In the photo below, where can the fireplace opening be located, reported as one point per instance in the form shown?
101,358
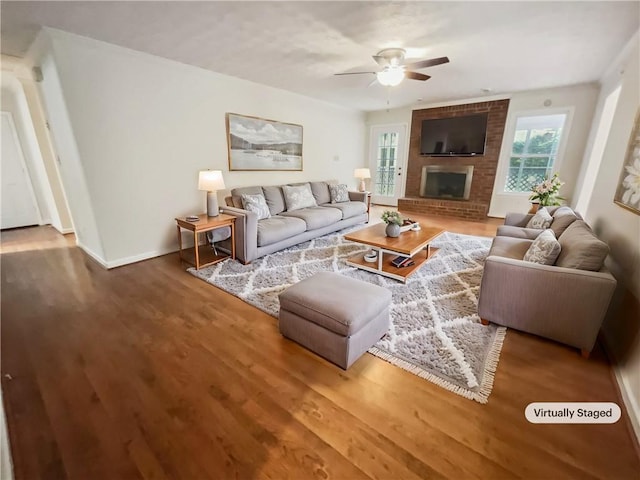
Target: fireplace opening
446,182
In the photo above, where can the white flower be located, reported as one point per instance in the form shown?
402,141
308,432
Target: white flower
631,183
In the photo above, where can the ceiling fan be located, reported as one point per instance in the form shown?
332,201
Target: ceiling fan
394,70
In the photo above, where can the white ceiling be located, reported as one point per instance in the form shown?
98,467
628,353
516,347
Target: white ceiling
298,46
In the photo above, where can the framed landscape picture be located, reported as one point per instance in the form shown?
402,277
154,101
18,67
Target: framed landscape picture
628,191
260,144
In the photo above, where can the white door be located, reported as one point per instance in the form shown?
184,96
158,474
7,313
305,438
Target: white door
19,207
386,157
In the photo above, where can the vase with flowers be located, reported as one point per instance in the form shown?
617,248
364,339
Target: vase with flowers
393,221
546,192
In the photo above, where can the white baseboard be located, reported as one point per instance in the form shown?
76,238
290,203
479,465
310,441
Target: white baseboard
64,231
93,255
633,409
138,258
120,262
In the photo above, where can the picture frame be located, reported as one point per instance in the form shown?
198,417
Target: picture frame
260,144
628,191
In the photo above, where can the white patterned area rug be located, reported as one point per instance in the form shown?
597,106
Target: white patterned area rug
435,329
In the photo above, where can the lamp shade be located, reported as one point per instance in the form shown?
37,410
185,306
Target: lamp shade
210,180
390,76
362,173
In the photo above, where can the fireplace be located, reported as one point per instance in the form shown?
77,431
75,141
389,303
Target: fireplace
446,182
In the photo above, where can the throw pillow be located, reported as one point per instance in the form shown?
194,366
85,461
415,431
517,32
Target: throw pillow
581,248
562,218
544,249
339,193
320,192
256,204
541,220
298,196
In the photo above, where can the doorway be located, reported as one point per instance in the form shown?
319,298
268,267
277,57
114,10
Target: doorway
19,206
386,161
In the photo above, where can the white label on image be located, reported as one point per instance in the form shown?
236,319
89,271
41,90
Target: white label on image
572,412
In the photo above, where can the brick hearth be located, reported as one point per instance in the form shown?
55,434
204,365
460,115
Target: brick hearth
484,166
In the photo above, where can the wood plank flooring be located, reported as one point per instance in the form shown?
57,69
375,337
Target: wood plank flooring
145,372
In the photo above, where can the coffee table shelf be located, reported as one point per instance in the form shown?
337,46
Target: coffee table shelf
409,243
389,270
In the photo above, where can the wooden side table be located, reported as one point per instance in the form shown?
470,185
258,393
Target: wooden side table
202,225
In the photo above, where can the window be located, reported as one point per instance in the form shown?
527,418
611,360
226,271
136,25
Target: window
386,164
533,150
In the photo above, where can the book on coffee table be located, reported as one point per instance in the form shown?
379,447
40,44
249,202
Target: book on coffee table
402,261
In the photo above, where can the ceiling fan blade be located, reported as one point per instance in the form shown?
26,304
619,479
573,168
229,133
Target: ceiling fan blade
354,73
416,76
432,62
373,82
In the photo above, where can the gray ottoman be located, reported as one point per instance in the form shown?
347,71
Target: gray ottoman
337,317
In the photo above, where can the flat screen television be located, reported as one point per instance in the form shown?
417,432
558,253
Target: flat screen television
455,136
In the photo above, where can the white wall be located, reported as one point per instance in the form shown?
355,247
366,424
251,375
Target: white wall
144,126
388,117
69,165
581,102
620,228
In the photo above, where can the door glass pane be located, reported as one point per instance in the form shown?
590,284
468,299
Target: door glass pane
386,164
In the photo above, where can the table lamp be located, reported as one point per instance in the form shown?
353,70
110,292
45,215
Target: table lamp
211,181
362,173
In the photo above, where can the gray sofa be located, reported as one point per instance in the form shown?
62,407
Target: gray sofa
256,238
566,301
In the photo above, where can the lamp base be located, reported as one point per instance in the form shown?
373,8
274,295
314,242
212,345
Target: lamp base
363,186
212,204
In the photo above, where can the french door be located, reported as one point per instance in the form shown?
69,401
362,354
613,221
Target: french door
386,161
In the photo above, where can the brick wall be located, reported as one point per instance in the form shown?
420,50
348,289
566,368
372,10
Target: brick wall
484,166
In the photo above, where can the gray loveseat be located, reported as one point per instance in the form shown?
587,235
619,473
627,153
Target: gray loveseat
566,301
256,238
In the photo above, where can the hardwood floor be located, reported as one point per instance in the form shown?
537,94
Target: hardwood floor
145,371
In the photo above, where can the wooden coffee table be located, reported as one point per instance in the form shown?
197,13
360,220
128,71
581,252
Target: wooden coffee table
408,243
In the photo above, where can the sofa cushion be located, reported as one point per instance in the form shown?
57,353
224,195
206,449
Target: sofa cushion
349,209
256,204
542,219
544,249
581,248
275,199
320,191
297,197
518,232
339,193
509,247
236,194
562,218
276,228
316,217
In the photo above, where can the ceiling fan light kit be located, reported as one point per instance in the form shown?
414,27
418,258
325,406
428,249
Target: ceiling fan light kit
391,76
395,70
